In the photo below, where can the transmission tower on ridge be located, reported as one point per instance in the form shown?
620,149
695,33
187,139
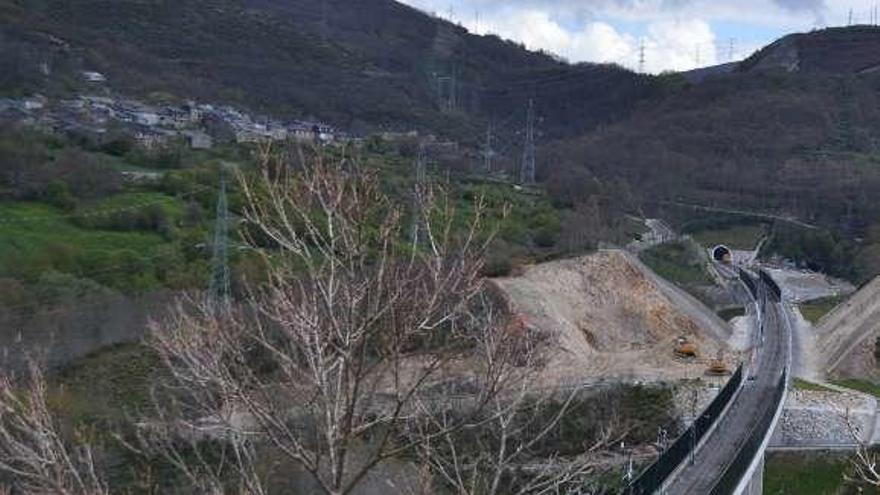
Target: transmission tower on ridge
642,56
218,291
527,172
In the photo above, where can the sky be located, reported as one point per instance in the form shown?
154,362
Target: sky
672,34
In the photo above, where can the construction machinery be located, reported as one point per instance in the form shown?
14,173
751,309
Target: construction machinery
717,366
685,349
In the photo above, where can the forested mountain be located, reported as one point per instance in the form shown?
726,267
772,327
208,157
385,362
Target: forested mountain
854,49
797,139
790,131
363,65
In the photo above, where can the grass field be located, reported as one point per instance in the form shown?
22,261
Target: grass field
860,385
173,206
801,384
734,237
728,314
36,238
678,262
28,229
108,384
813,311
804,474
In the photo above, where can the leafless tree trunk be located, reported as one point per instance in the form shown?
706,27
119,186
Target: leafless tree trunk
34,453
339,361
865,461
356,321
497,449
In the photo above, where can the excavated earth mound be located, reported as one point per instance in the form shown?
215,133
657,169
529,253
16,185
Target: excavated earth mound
848,335
609,317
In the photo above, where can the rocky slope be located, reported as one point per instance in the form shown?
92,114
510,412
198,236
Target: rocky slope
847,335
611,319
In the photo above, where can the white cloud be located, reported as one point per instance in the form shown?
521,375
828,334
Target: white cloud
677,34
600,42
669,44
679,45
534,28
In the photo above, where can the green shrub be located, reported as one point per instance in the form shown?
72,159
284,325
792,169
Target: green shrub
498,265
546,237
58,195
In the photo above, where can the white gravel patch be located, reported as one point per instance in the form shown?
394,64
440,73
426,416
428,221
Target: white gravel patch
743,330
814,418
803,285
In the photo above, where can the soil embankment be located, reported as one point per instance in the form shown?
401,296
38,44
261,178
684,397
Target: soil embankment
612,318
847,336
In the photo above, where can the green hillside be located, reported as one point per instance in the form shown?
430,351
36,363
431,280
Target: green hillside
366,65
796,145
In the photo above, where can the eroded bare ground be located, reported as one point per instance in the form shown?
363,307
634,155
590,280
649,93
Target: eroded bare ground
803,285
826,417
847,336
611,318
842,343
810,350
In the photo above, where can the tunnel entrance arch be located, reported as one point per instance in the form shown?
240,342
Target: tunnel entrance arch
722,253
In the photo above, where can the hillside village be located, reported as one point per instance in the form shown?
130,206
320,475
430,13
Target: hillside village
199,125
383,298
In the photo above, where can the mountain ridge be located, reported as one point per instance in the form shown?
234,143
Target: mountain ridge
364,66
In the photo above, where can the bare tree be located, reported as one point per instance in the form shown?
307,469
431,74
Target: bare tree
35,455
360,316
865,462
340,360
503,445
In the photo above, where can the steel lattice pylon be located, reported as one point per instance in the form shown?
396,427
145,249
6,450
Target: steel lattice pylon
219,289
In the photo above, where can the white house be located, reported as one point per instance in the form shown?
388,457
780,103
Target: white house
147,118
94,77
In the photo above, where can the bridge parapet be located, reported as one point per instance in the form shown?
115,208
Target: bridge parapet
653,478
736,474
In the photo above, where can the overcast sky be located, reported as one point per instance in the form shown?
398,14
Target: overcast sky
676,34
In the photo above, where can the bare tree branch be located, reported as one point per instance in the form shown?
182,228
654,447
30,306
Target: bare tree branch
865,461
34,453
334,352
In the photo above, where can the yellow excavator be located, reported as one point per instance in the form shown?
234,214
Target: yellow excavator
685,349
717,366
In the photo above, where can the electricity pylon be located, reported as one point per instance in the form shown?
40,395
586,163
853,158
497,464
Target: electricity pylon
418,191
527,171
219,288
